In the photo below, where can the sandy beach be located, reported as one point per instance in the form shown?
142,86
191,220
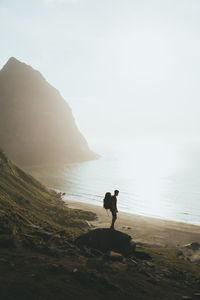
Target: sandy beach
143,229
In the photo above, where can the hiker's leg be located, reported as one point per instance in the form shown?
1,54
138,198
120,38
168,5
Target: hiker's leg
113,221
114,218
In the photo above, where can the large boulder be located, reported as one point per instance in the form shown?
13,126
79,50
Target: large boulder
106,240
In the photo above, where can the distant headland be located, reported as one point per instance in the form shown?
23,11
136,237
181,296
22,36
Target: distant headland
36,124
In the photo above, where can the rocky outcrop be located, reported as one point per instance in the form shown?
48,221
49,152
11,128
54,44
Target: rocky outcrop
106,240
36,124
191,252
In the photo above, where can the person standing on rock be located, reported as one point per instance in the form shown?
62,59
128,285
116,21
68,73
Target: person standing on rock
113,208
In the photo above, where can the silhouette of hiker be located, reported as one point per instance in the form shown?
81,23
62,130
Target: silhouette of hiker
113,208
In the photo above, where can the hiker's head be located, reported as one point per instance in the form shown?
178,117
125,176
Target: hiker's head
116,192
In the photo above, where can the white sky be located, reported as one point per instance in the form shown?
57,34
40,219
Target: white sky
127,67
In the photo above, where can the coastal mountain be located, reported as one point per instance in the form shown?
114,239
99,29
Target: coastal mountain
36,124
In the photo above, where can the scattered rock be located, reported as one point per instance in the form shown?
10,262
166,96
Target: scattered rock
142,255
75,270
180,253
194,246
191,252
150,264
114,256
126,227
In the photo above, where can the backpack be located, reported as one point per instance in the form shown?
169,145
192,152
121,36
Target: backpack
107,201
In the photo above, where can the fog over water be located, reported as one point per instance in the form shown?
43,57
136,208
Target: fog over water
155,178
130,71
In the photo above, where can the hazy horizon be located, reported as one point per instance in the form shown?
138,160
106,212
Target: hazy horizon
127,68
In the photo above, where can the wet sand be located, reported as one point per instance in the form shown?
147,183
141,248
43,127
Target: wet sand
143,229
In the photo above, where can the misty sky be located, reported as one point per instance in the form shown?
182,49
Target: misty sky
128,67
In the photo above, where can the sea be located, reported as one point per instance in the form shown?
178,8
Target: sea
155,177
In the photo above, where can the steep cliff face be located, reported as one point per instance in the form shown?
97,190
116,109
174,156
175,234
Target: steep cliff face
36,124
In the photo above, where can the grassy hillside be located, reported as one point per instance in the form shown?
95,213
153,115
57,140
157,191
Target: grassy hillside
39,259
30,213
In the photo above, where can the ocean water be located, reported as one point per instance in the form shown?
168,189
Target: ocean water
155,178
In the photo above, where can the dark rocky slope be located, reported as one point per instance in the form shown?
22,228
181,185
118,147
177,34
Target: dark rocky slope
36,124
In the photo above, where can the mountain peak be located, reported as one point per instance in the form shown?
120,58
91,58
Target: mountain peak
14,64
12,61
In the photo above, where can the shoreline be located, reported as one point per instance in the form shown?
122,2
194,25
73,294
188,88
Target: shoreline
142,229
